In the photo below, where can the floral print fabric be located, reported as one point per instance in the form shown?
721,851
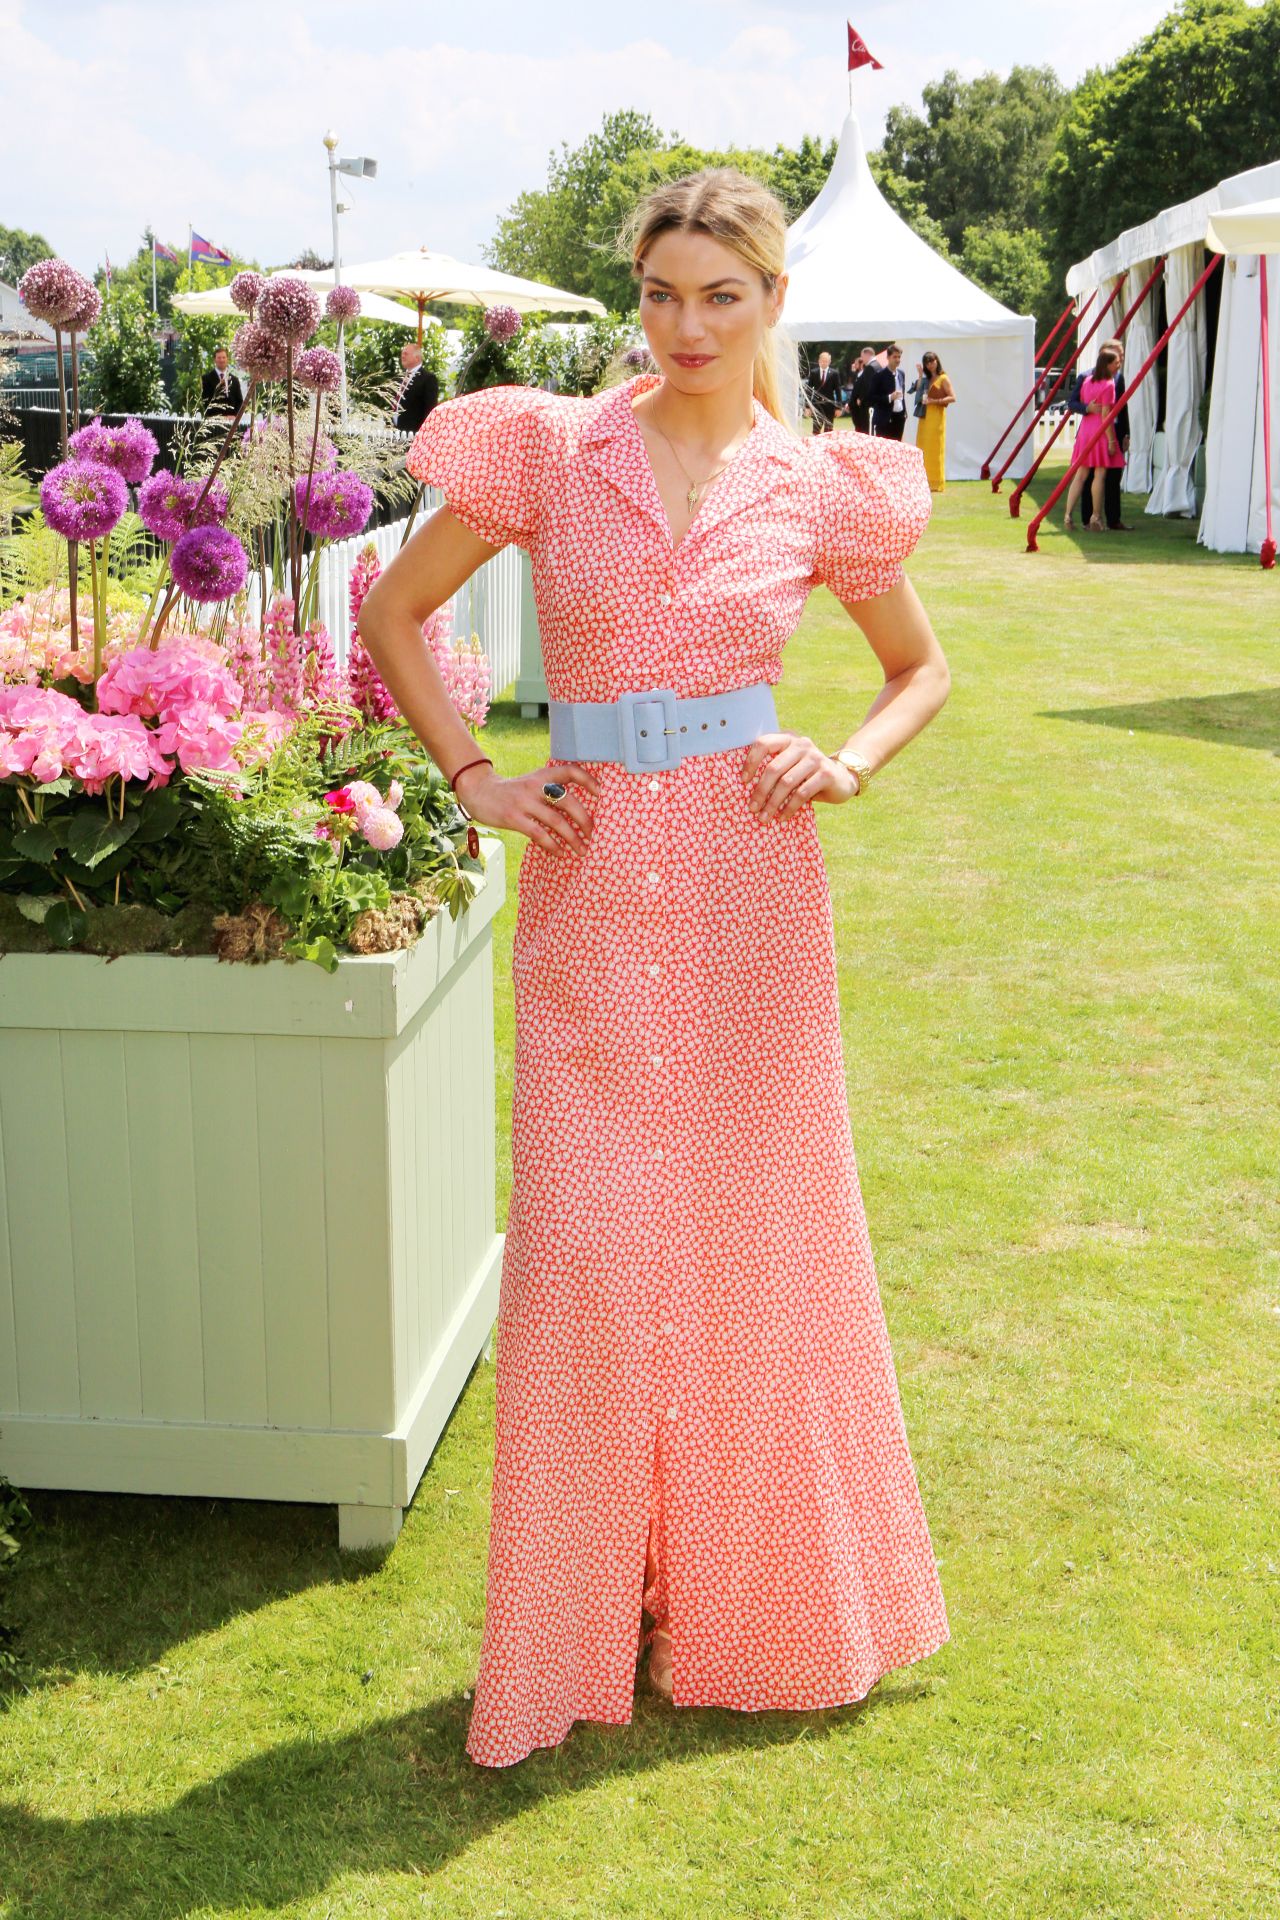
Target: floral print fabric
691,1342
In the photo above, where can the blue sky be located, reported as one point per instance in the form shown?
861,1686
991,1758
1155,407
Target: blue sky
113,116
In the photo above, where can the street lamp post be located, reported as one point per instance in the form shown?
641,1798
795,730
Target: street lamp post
362,168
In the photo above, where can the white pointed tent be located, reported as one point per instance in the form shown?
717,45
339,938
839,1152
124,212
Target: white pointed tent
859,273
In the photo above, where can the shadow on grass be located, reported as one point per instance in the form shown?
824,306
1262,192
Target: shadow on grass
1151,539
1227,719
109,1582
397,1797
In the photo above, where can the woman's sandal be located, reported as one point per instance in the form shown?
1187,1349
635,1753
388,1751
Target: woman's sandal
1068,524
658,1641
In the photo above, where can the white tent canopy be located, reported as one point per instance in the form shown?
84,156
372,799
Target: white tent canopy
1239,211
857,272
217,301
423,275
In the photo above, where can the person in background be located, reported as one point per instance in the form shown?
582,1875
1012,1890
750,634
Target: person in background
1095,450
220,389
419,390
862,372
934,394
1112,476
824,394
889,396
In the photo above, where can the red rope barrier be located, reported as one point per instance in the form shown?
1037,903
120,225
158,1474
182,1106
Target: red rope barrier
1042,355
1268,554
1159,347
1050,396
1015,498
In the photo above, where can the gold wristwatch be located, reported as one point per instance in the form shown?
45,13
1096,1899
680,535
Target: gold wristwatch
858,766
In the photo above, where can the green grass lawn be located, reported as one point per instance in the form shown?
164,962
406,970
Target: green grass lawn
1059,934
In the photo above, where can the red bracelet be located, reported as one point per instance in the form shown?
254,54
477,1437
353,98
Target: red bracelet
482,761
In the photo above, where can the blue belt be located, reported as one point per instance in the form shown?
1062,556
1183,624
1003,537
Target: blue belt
657,728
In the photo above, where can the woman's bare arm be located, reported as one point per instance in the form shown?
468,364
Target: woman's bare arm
917,681
433,565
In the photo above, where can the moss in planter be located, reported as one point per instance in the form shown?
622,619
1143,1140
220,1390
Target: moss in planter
112,931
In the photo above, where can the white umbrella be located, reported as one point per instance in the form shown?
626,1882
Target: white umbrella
1254,229
424,275
216,301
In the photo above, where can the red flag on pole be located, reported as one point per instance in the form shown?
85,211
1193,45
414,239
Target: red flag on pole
860,54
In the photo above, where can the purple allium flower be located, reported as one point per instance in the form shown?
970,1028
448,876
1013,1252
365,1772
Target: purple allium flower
333,506
209,564
164,504
501,324
87,313
53,291
342,304
637,357
130,449
212,510
258,353
318,368
289,309
82,499
244,290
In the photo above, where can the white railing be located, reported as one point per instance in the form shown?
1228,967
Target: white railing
18,399
487,604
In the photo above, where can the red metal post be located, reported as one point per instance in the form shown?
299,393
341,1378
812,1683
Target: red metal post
1268,554
1042,355
1159,347
1052,393
1015,498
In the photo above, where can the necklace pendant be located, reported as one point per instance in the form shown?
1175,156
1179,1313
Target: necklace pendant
693,497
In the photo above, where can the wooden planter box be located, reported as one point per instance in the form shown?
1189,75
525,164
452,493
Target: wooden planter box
247,1241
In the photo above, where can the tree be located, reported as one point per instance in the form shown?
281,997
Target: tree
1010,266
906,197
1192,102
126,363
544,235
20,250
626,184
798,174
137,273
978,152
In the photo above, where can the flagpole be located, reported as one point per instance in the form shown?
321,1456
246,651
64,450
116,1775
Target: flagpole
153,275
190,231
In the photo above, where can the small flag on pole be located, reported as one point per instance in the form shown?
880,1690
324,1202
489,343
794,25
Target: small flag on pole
164,253
860,54
202,249
107,269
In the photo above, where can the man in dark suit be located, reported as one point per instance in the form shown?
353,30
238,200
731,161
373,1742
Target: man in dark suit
1112,476
824,394
865,369
889,397
220,389
419,391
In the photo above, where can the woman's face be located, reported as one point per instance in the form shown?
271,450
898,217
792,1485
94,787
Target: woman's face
930,363
704,311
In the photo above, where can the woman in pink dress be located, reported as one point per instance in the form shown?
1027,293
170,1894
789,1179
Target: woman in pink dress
1095,448
700,1444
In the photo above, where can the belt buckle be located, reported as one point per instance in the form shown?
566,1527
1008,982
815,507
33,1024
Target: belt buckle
650,742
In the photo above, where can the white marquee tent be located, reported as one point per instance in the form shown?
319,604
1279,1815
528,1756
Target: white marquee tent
859,273
1234,508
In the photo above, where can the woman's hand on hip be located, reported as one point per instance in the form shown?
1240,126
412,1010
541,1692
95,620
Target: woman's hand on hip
793,772
519,804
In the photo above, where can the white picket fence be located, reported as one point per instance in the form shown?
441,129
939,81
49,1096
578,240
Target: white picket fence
488,604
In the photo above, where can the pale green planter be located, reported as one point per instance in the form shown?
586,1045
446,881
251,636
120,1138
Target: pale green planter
249,1244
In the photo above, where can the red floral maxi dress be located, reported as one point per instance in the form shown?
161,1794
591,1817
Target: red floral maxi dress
690,1333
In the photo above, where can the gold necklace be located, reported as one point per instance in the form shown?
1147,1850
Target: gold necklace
695,486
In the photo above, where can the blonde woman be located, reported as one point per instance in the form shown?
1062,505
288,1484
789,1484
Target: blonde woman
700,1448
934,394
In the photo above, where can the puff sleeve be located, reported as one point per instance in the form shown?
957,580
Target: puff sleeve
487,453
874,504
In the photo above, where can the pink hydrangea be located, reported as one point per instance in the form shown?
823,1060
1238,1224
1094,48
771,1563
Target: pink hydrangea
166,681
263,732
200,736
111,744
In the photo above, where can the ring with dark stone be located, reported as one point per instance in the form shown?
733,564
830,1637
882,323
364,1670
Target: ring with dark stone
554,791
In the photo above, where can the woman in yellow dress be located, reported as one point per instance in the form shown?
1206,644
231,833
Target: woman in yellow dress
934,394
